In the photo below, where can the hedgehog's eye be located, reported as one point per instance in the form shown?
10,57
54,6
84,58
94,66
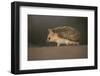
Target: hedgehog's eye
49,38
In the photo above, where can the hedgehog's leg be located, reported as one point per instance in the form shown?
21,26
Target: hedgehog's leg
70,43
67,43
58,44
77,43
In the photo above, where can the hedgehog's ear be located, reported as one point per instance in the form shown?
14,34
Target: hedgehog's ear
50,31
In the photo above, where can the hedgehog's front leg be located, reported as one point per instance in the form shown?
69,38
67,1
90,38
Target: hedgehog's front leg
58,44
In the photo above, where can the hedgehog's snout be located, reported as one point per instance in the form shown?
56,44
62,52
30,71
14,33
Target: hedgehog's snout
48,39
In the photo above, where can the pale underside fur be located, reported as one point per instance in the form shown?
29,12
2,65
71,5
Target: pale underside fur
65,41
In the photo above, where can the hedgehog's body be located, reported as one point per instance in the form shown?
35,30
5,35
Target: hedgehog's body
65,41
64,35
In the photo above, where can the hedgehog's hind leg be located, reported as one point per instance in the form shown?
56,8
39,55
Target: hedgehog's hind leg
75,43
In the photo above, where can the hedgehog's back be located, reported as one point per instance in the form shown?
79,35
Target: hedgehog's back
67,32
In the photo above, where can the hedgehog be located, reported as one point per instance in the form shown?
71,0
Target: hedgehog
63,35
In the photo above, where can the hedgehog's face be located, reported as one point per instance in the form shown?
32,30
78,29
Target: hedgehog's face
52,37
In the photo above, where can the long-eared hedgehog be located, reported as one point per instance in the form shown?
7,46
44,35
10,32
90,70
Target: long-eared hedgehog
64,35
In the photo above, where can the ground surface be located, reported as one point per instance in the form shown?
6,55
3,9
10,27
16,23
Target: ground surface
63,52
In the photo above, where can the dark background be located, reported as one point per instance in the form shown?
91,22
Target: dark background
38,28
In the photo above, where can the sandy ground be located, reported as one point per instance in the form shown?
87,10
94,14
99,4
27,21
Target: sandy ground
63,52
